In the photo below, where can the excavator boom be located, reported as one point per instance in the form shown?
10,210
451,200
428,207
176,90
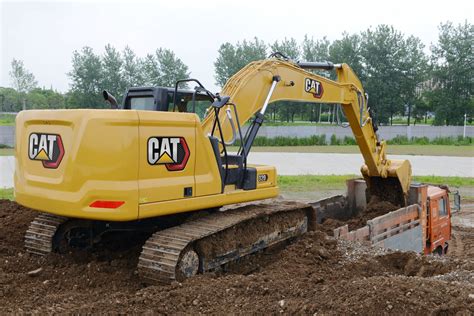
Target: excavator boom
266,81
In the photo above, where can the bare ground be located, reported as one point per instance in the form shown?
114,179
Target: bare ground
315,274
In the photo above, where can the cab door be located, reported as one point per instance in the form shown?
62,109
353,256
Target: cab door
439,222
444,218
167,156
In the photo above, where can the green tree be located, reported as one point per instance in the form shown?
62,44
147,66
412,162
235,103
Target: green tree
171,68
348,50
10,100
315,50
288,47
86,80
413,65
45,99
163,69
36,100
453,74
132,72
231,58
112,72
381,51
421,109
150,70
23,80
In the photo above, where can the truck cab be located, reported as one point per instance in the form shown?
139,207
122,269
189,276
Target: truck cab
438,228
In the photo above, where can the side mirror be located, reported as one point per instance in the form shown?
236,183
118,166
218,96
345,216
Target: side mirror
457,201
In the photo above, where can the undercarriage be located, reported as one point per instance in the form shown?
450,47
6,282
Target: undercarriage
180,246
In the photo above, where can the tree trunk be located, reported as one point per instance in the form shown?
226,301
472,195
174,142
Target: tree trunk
24,104
319,118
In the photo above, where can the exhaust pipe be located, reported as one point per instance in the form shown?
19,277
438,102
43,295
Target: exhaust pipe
110,99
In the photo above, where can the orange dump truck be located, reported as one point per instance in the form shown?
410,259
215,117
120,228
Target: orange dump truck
424,226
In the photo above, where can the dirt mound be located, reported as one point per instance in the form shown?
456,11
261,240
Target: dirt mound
374,208
462,243
315,274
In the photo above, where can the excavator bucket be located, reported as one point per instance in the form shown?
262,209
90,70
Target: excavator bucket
392,188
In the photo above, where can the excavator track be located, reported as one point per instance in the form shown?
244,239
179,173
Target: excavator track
209,242
40,233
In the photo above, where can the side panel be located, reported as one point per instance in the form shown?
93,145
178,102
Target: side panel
409,240
99,162
266,176
162,134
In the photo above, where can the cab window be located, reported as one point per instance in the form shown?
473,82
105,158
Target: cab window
185,103
442,207
142,103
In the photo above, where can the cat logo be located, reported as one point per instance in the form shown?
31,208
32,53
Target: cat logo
47,148
173,152
314,87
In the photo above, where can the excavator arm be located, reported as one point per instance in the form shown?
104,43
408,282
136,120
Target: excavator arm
263,82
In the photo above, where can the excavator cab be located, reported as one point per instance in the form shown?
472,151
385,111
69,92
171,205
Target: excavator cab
163,99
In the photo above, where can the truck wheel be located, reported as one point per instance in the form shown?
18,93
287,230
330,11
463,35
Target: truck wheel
438,251
446,249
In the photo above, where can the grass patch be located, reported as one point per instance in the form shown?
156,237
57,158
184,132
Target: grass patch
449,181
6,194
7,152
312,183
425,150
7,119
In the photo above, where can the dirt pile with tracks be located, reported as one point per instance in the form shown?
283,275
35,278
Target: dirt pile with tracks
315,274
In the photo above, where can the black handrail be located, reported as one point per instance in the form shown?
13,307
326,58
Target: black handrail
201,88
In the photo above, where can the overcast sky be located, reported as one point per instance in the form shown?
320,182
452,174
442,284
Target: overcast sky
45,33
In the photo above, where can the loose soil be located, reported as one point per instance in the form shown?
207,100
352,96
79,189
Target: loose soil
374,208
315,274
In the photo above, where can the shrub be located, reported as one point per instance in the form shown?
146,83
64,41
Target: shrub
334,140
319,140
348,141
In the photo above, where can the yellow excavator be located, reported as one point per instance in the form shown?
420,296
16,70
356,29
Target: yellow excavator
153,166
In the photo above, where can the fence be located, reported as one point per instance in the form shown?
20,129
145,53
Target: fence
7,133
386,132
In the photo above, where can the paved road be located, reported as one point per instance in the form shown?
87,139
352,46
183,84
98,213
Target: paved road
342,164
321,164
